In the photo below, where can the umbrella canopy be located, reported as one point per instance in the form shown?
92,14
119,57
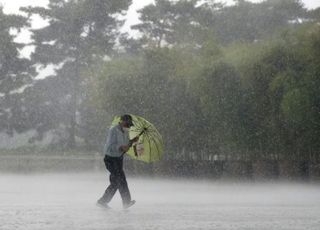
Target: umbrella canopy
149,147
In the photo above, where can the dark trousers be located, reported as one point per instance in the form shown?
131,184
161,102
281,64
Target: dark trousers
117,180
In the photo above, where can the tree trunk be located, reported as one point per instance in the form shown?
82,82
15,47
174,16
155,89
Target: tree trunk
73,110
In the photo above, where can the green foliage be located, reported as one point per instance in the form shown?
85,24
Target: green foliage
167,23
295,105
145,86
240,81
15,72
79,34
247,21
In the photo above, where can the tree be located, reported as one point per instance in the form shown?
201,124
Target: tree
156,22
78,34
218,88
247,21
168,23
146,86
280,110
15,71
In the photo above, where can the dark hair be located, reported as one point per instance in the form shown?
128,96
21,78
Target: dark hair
127,118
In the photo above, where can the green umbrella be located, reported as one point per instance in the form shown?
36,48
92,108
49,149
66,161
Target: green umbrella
149,147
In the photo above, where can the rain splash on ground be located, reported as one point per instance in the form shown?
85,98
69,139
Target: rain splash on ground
67,202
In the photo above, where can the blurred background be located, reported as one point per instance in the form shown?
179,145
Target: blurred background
233,87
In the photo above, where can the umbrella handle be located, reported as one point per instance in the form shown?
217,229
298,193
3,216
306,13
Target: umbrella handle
135,150
142,132
131,142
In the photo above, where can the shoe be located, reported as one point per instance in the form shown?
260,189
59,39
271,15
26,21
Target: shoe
102,204
126,206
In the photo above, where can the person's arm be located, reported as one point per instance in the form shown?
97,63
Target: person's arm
125,148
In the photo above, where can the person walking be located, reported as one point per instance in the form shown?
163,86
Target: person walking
117,144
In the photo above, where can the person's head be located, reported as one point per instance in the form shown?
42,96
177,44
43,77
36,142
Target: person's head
126,121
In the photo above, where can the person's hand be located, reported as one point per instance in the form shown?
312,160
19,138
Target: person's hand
133,141
124,148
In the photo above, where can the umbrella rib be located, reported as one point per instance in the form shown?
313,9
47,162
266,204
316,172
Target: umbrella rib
149,149
136,130
155,133
140,125
151,138
156,137
149,142
140,122
156,144
152,130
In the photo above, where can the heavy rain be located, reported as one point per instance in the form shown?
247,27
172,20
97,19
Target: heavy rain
164,114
